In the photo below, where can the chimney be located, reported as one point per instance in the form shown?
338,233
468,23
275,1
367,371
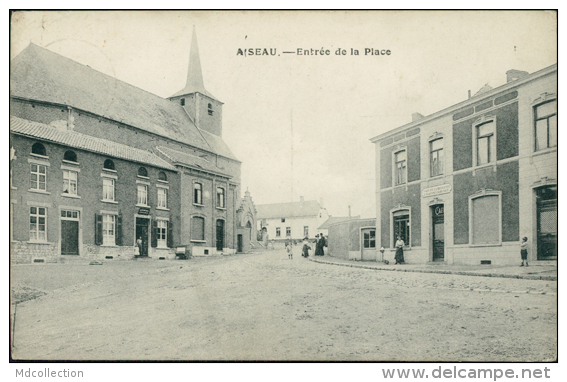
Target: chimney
513,75
301,199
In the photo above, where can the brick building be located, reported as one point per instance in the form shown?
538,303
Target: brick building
169,163
465,184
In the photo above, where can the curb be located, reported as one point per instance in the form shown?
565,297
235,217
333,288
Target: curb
445,272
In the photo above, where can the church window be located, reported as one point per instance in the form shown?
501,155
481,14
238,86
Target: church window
210,109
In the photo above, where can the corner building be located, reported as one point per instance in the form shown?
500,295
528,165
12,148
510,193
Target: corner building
465,184
143,166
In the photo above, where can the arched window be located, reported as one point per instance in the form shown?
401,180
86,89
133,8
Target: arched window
39,149
109,164
70,156
143,172
162,176
485,219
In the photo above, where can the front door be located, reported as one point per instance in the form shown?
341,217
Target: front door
142,230
547,223
220,235
438,234
69,232
368,244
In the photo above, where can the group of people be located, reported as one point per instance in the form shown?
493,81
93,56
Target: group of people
320,245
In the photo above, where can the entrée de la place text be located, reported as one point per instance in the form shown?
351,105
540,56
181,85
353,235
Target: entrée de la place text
314,52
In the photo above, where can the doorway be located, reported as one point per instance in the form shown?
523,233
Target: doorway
547,223
142,230
240,243
438,232
220,235
368,244
69,232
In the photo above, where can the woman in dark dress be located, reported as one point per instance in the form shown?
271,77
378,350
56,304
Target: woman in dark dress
319,251
399,251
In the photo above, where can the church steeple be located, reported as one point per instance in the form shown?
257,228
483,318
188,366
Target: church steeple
204,109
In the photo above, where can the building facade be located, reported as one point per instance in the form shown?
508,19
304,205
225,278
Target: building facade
295,220
178,141
353,239
465,184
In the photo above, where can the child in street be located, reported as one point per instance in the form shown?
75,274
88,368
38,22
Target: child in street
524,251
306,248
289,249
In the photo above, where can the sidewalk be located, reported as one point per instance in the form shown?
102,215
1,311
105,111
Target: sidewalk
533,272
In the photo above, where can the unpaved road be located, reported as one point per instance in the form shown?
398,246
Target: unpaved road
262,306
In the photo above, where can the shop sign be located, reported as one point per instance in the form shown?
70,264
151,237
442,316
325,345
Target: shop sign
437,190
143,211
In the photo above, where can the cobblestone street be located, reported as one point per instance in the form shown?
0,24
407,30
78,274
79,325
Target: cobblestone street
263,306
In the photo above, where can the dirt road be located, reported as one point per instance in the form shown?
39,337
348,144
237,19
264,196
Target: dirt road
266,307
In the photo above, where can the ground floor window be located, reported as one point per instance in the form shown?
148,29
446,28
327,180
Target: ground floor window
306,231
288,231
38,226
401,226
108,230
278,232
162,234
485,219
197,228
370,239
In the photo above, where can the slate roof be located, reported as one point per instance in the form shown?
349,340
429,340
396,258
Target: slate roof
336,219
193,161
288,210
42,75
85,142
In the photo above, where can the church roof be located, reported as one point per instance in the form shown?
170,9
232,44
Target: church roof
85,142
288,210
195,82
41,75
193,161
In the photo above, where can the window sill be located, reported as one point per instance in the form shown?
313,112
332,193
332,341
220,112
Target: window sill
163,181
109,201
544,151
39,156
486,165
486,245
198,205
108,245
38,242
70,196
39,191
70,162
221,208
110,170
440,176
162,208
143,205
198,241
165,247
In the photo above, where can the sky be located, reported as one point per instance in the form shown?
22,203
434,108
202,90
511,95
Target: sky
302,124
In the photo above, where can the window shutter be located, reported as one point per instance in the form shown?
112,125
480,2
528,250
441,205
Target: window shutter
98,229
119,230
169,235
154,233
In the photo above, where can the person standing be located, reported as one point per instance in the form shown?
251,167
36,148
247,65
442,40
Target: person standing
399,251
139,244
319,245
306,248
524,251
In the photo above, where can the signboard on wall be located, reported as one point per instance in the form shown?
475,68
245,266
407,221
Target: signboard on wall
437,190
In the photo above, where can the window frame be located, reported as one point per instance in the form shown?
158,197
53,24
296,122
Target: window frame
370,238
107,239
395,162
221,198
68,171
287,231
481,194
43,154
202,219
142,190
162,233
406,210
305,231
492,151
198,194
278,232
547,117
105,187
440,161
35,238
37,177
162,195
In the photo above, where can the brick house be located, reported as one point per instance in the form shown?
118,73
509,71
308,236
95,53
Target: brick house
179,138
465,184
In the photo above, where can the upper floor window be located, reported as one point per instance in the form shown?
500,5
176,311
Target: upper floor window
162,176
182,101
70,156
545,125
143,172
400,167
485,143
143,194
109,164
108,189
283,220
39,149
38,177
436,157
70,182
162,197
210,107
220,197
197,193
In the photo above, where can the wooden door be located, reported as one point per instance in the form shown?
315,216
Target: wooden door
69,237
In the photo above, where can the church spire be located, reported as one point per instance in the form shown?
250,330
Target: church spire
195,83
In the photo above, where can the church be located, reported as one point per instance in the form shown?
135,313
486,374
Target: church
101,169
